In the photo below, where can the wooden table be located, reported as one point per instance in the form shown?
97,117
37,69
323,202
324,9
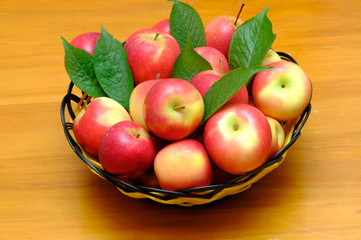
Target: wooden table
46,192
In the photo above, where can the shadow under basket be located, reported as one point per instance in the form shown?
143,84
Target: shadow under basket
71,104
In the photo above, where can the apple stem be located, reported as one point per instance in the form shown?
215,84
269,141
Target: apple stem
179,107
137,136
235,127
221,71
80,103
86,102
156,36
239,13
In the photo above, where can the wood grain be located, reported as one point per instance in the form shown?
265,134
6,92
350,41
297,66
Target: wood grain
46,192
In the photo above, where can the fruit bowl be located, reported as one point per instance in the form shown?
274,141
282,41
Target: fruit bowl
70,106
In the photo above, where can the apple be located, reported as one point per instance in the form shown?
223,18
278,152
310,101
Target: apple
250,101
271,56
219,176
136,101
158,142
86,41
173,109
183,164
126,150
148,179
91,124
217,60
240,97
162,26
205,79
282,92
278,136
238,138
151,54
219,33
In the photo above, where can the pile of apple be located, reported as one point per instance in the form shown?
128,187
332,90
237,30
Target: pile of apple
161,140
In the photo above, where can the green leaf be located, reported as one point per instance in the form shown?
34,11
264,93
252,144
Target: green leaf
251,41
226,87
184,19
112,68
79,66
189,63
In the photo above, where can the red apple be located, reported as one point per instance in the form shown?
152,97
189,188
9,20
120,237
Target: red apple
219,33
205,79
282,92
86,41
219,176
162,26
126,150
250,101
240,97
238,138
136,101
173,109
278,136
217,60
183,164
271,56
148,179
151,54
91,124
158,142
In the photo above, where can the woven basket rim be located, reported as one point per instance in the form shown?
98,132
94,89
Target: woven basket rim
191,196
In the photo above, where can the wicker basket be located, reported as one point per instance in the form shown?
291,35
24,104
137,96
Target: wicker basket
71,104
